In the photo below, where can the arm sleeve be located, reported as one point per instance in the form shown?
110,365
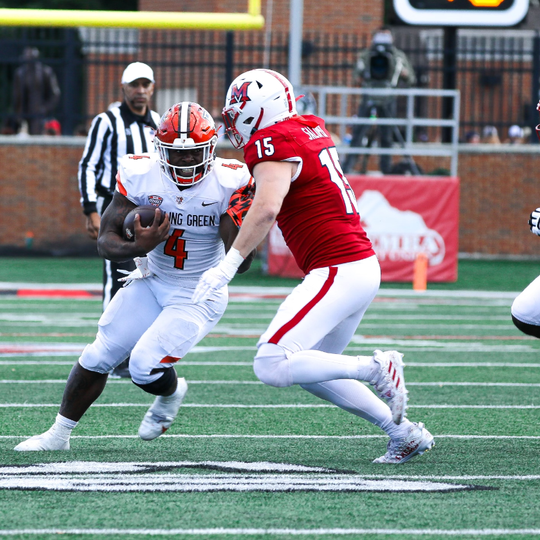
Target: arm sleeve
240,202
97,144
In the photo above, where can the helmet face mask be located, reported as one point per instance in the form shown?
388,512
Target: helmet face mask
256,99
186,143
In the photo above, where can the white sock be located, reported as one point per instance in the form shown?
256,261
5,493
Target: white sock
316,366
368,368
398,432
358,399
63,427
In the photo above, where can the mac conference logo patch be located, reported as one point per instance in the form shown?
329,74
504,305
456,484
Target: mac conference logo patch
155,200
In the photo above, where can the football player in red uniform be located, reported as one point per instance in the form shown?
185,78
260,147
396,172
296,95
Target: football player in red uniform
299,183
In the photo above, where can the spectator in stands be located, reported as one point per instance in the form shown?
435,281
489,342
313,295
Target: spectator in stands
52,127
515,135
11,126
35,92
490,135
472,137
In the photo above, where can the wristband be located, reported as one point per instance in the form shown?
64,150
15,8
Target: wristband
231,262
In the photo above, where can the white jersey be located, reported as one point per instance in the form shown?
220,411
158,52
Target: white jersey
194,244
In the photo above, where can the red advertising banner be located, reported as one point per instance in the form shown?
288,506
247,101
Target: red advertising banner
403,216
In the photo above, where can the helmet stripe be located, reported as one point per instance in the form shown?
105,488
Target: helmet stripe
183,126
285,85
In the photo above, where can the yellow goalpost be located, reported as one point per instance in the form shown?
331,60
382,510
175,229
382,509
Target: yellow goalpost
252,20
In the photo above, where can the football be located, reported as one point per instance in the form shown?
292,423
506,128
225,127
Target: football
147,213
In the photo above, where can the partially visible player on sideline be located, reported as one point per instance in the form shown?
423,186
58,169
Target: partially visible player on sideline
124,129
204,199
526,307
300,183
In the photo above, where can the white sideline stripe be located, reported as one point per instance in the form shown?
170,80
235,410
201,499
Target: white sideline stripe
308,437
258,383
280,406
97,287
276,532
371,317
470,364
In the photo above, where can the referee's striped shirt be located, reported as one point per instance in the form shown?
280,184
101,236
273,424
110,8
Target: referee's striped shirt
113,134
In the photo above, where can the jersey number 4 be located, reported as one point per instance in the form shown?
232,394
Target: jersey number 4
329,158
176,247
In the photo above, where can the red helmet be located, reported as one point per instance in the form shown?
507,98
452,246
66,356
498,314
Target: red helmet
186,127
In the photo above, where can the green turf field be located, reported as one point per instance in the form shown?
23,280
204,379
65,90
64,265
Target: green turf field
244,460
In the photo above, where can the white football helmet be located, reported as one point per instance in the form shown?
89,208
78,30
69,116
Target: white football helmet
255,100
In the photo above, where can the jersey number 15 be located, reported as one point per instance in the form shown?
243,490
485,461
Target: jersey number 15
329,158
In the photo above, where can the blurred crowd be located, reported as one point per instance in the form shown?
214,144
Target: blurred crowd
490,135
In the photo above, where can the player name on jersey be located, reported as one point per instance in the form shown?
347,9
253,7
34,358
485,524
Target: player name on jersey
192,220
314,133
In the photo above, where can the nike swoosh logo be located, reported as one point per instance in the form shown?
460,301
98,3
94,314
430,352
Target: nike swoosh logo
209,203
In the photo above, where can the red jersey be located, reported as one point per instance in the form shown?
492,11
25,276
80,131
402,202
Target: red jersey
319,217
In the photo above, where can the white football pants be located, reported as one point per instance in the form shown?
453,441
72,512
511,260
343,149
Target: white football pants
304,341
156,323
526,306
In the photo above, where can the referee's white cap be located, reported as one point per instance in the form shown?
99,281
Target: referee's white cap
137,70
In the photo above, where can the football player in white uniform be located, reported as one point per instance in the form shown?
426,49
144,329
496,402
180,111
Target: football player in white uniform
526,307
152,318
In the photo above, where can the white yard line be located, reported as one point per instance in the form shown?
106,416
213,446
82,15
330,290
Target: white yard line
435,384
276,532
259,406
408,364
308,437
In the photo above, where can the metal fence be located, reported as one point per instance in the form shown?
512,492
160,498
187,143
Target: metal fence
497,72
340,122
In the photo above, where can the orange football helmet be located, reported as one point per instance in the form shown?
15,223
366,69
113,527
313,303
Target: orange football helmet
186,142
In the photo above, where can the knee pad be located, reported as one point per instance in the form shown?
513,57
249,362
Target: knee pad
97,357
160,386
529,329
272,366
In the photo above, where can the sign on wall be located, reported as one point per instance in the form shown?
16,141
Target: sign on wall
403,216
462,12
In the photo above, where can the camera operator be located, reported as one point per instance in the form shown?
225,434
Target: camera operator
380,66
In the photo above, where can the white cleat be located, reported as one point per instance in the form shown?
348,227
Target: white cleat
46,441
417,441
162,413
389,383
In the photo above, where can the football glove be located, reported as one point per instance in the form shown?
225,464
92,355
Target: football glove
216,278
533,221
140,272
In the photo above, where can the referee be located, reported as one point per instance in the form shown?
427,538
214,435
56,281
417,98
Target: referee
125,129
